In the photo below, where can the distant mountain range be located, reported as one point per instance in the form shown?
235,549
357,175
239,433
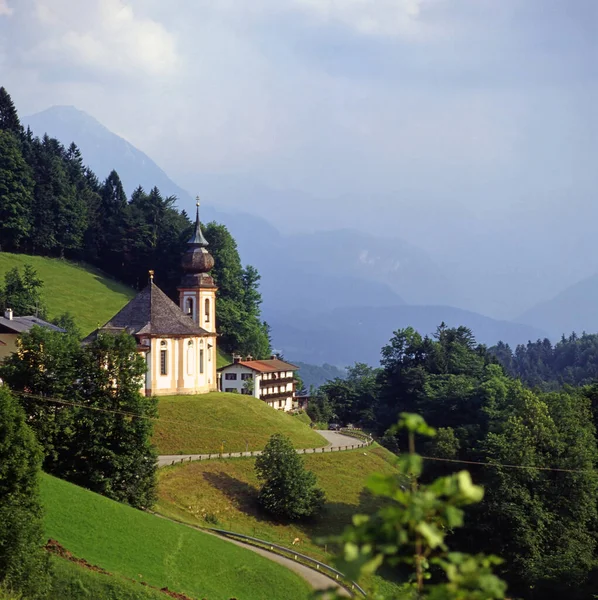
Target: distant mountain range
358,334
331,296
573,309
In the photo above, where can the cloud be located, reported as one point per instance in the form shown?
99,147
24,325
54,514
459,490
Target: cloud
368,17
5,10
104,35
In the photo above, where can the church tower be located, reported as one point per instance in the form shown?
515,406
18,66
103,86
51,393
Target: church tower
197,292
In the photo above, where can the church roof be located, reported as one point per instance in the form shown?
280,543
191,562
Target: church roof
152,312
265,366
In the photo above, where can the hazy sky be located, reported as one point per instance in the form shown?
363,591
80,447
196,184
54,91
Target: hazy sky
467,127
440,97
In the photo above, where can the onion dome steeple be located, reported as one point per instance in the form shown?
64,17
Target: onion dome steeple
197,261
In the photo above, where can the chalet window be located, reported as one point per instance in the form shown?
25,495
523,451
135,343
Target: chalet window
246,376
207,309
163,362
230,376
201,360
230,390
244,391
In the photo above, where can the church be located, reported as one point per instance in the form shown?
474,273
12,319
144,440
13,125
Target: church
178,342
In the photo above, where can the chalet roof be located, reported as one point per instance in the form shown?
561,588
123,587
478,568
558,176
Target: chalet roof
265,366
151,312
22,324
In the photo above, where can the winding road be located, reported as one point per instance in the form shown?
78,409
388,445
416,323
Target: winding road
336,442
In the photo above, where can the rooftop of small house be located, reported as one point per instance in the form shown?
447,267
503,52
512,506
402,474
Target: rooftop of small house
9,323
272,365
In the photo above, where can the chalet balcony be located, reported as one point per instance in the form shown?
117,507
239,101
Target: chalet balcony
276,395
277,381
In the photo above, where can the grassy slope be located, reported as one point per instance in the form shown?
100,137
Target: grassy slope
198,424
88,295
73,582
133,544
226,489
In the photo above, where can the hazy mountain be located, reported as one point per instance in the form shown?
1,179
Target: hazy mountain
326,293
573,309
103,150
316,375
344,336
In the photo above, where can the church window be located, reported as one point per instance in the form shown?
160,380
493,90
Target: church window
163,362
230,376
201,360
190,358
207,309
190,306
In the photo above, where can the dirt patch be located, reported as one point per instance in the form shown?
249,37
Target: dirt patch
56,548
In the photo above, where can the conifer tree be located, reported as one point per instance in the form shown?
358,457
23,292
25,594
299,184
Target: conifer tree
16,194
9,119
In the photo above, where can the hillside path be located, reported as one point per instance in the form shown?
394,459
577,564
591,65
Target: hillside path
337,442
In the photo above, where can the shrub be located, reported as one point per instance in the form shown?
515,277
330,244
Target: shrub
288,490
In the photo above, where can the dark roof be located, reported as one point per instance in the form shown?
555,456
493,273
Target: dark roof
22,324
265,366
197,238
151,312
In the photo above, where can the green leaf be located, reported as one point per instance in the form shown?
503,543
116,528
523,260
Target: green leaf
434,537
472,492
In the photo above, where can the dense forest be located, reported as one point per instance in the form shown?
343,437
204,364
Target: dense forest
535,452
572,361
51,204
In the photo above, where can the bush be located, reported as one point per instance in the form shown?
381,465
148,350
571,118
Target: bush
23,563
288,491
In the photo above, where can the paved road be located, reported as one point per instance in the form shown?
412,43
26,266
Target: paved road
336,442
318,581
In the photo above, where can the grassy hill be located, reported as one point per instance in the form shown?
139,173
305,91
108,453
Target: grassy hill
146,548
226,490
198,424
91,297
222,493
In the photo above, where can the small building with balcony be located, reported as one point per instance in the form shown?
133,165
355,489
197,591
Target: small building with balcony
272,380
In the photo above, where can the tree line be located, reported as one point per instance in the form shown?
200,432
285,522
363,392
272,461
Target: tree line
573,360
535,452
51,204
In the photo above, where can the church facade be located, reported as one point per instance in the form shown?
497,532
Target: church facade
178,341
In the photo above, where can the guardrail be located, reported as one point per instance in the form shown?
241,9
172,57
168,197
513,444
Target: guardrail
296,556
365,442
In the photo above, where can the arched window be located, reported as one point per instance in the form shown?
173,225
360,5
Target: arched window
190,306
207,310
163,358
190,358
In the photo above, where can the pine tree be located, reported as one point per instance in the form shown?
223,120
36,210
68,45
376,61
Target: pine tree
9,119
23,563
16,194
